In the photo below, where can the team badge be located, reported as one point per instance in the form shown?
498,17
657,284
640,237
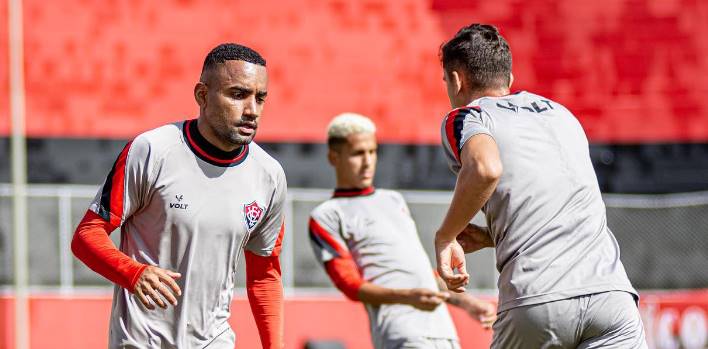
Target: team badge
252,213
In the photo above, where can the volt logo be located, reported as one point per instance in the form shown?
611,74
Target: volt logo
179,205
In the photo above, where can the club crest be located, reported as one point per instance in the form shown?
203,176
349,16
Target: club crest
252,213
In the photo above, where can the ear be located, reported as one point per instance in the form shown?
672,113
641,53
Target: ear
456,80
511,79
332,157
200,94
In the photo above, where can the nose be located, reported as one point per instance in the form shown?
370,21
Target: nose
368,159
250,108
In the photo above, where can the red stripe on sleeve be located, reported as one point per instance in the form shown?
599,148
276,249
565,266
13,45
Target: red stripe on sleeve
450,133
92,246
323,234
279,242
265,295
345,275
118,187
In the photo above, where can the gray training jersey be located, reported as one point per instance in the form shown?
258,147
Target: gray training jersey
376,230
182,208
546,215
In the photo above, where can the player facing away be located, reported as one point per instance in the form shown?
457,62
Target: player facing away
188,198
523,159
369,246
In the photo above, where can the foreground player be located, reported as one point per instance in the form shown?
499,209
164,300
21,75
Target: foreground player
523,159
188,198
370,248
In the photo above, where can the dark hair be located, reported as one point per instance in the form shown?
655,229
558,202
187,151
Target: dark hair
231,52
335,143
482,53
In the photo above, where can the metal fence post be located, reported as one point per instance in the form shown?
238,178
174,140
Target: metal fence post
66,272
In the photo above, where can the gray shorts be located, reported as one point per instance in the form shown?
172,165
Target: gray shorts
600,320
422,343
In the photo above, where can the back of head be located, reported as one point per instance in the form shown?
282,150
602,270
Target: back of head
481,53
345,125
231,52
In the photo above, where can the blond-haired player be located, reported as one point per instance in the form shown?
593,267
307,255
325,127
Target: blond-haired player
368,243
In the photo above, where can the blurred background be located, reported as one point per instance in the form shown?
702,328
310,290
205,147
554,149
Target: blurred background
94,74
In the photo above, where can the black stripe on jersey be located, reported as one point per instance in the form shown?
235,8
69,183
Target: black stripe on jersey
323,245
104,210
457,126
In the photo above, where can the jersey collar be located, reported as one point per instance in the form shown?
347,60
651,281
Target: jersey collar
207,151
348,193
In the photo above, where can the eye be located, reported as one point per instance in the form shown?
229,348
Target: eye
239,95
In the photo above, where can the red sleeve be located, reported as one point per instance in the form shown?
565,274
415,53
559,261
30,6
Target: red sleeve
345,274
93,247
265,295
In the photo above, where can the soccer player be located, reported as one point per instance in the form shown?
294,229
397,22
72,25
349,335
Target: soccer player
523,160
369,246
189,197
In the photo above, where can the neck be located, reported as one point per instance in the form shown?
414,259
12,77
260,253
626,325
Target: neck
345,185
212,138
497,92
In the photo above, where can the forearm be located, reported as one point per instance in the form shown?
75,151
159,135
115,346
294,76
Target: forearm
373,294
94,248
458,299
265,295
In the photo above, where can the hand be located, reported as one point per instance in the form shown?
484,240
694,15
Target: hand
474,238
482,311
424,299
154,282
450,257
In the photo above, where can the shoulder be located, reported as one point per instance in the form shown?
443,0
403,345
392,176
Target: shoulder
390,194
394,198
326,211
156,142
266,162
461,113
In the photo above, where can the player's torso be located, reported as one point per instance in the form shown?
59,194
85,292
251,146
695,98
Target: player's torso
547,167
195,220
546,213
200,214
383,240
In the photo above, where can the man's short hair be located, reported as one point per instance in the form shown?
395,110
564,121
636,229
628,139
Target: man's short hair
231,52
345,125
482,54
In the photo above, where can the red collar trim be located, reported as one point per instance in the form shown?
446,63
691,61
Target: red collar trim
206,151
348,193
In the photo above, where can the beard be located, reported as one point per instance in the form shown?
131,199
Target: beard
231,136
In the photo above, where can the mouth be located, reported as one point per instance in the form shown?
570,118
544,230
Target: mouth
246,128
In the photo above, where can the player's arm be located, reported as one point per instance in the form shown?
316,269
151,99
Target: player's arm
479,174
265,296
91,244
480,310
264,284
345,275
94,248
330,248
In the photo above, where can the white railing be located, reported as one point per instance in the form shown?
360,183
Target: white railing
65,194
